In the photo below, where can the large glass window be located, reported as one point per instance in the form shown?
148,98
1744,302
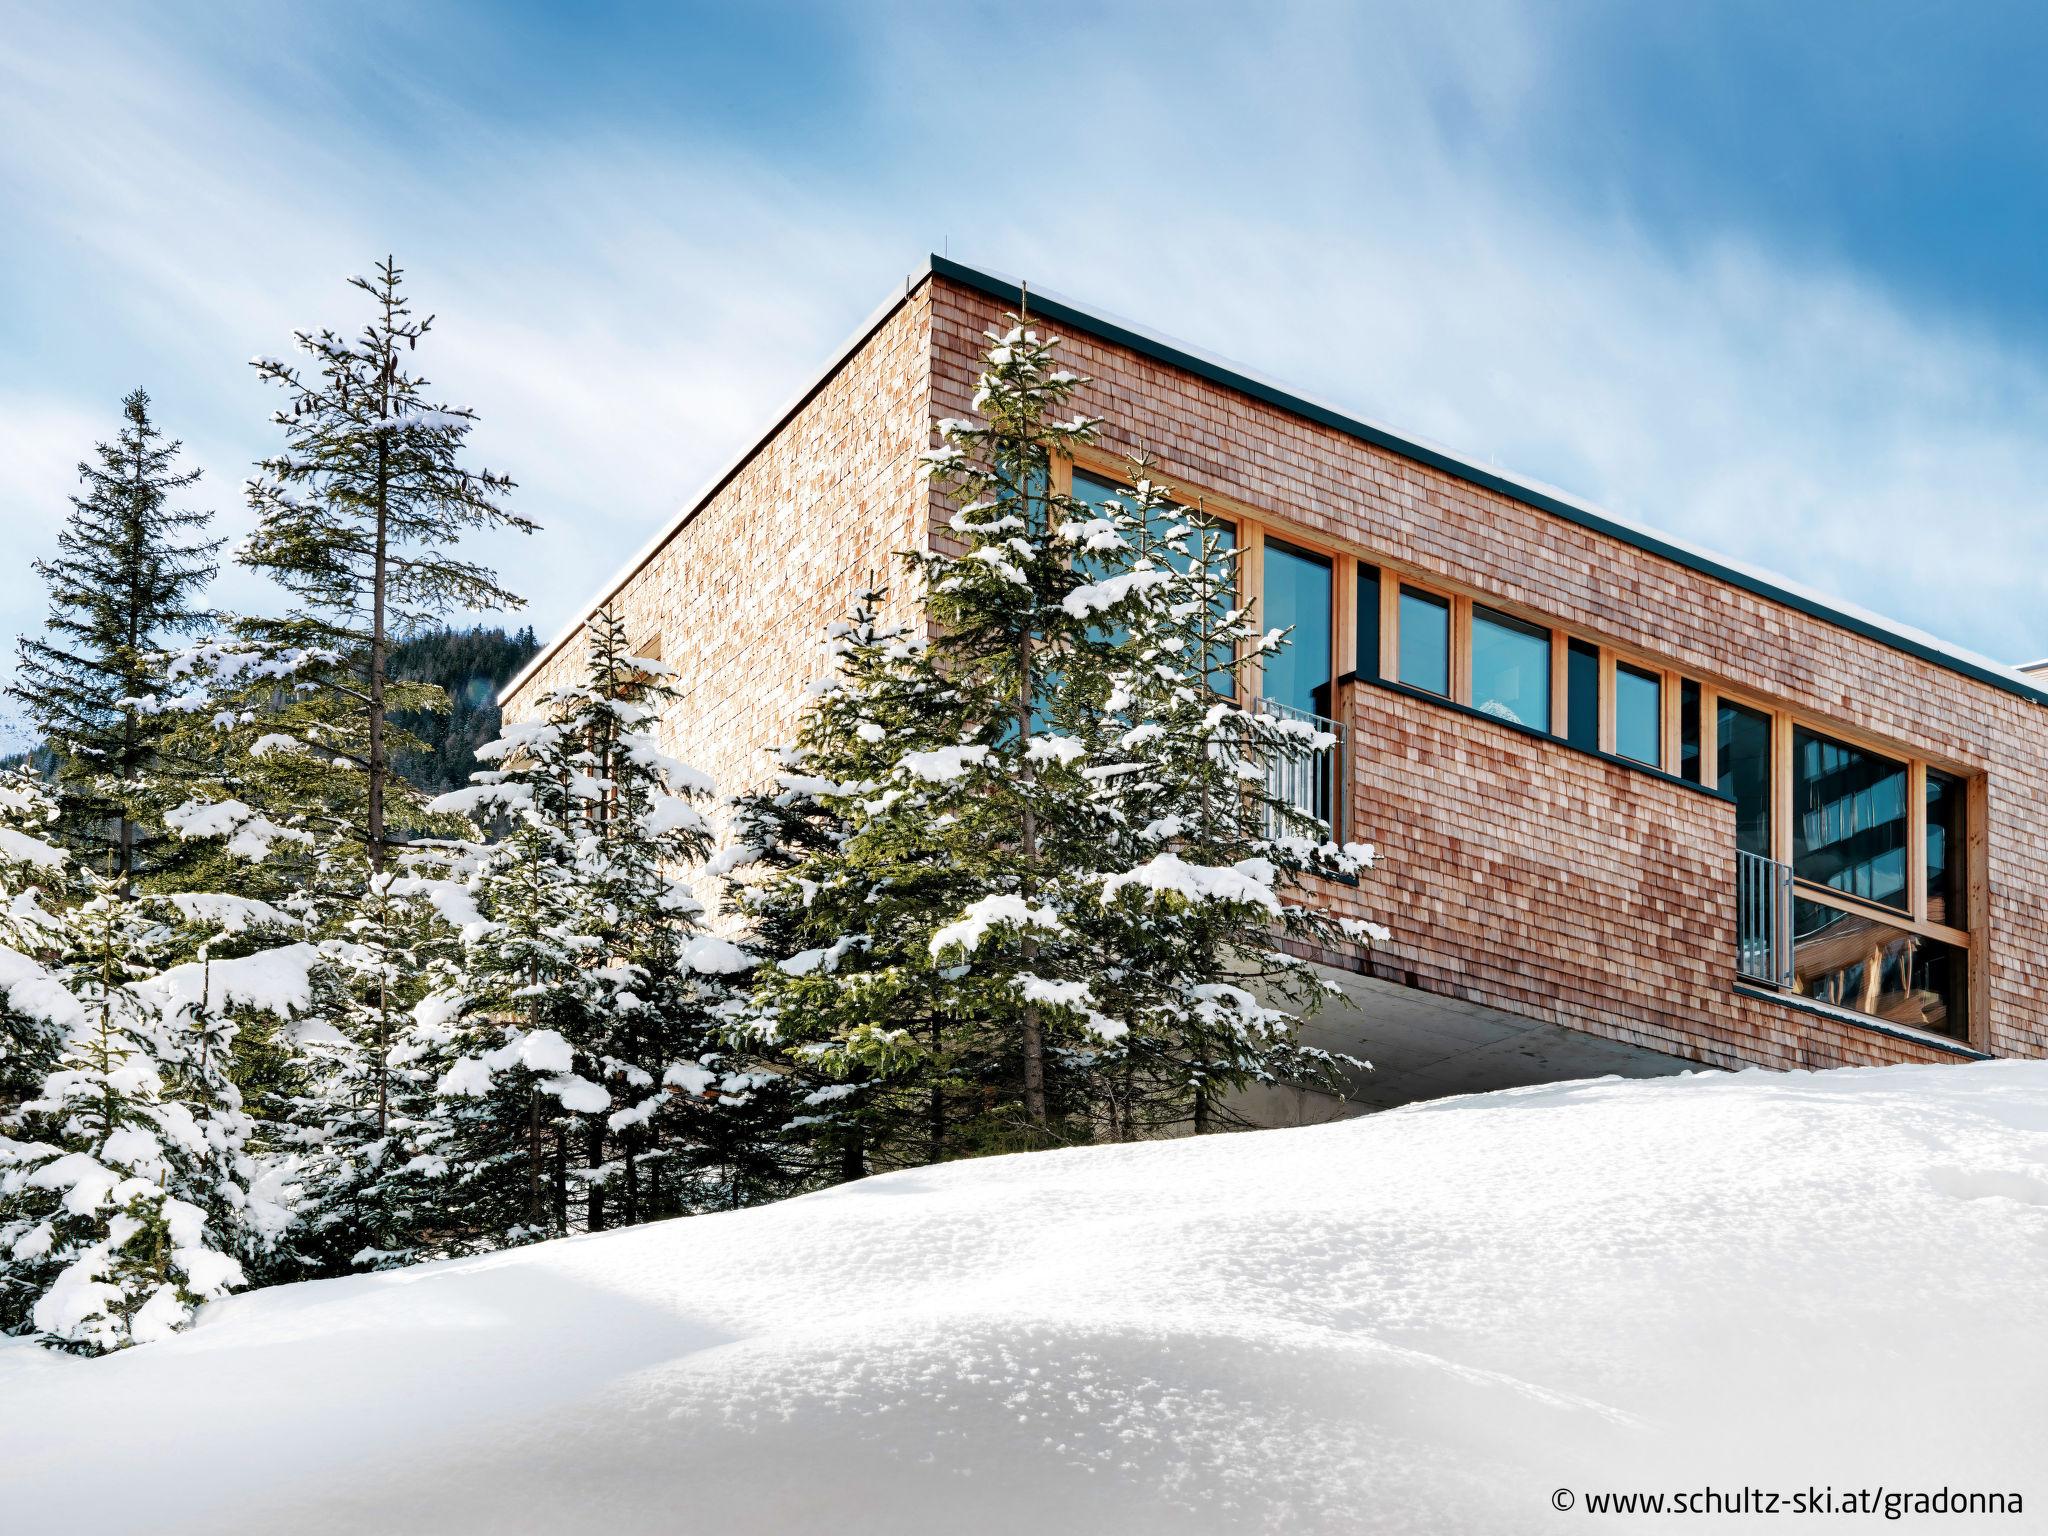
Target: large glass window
1298,598
1864,963
1425,641
1742,766
1946,902
1582,695
1639,715
1511,669
1368,620
1850,818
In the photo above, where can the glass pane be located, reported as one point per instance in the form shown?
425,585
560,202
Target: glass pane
1849,818
1425,641
1639,715
1689,764
1212,539
1866,964
1582,695
1510,669
1298,598
1368,621
1742,753
1946,902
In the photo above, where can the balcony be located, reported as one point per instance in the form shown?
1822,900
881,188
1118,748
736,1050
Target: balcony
1302,768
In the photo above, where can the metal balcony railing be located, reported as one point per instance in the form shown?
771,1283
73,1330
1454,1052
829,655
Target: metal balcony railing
1763,920
1307,778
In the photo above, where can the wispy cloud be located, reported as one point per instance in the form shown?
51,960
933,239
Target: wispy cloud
1336,197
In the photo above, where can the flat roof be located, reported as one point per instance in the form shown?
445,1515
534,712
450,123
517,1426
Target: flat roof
1528,492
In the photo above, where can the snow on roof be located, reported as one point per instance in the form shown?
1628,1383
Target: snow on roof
1529,491
1438,1315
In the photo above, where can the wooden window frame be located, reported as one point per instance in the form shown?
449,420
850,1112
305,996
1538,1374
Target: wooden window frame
1251,524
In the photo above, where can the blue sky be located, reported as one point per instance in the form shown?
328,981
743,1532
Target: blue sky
1764,276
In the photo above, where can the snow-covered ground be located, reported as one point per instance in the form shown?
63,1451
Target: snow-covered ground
1429,1319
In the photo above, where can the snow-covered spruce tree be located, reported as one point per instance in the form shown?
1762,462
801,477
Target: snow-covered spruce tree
105,1173
357,519
595,1078
948,949
32,870
889,1070
1203,863
123,586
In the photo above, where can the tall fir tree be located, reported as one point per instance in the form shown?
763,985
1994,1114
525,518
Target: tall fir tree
1001,912
123,587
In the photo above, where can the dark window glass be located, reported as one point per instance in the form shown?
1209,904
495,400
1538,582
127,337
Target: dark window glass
1690,767
1946,901
1425,641
1864,963
1298,598
1582,695
1849,818
1368,621
1639,715
1510,669
1742,757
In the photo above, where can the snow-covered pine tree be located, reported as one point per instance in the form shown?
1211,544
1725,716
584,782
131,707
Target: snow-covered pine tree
123,586
32,1012
595,1056
1203,862
357,519
105,1176
968,819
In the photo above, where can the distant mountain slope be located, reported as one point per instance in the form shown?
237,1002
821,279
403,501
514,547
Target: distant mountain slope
1464,1316
471,665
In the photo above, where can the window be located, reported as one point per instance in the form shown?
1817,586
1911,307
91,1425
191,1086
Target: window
1298,589
1742,759
1638,715
1510,669
1856,961
1368,620
1947,902
1210,541
1850,819
1582,695
1425,660
1690,766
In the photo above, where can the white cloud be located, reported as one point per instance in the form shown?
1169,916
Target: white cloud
1334,200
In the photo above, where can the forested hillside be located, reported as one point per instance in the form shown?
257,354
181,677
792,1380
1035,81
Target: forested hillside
470,665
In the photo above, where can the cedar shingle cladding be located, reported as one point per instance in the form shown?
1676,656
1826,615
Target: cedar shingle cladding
1518,873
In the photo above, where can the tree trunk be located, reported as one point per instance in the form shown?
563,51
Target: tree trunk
594,1202
536,1209
1034,1029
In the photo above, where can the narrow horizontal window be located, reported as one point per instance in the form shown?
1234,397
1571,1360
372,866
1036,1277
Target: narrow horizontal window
1510,669
1425,641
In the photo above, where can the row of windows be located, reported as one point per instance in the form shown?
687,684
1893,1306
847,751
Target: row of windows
1866,833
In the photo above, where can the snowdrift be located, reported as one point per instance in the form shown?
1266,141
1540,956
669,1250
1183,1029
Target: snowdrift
1427,1320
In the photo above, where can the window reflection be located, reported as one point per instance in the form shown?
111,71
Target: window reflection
1510,669
1945,899
1638,715
1866,964
1297,597
1850,819
1742,768
1425,641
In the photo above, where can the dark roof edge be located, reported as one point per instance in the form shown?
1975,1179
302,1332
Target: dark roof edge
1543,500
